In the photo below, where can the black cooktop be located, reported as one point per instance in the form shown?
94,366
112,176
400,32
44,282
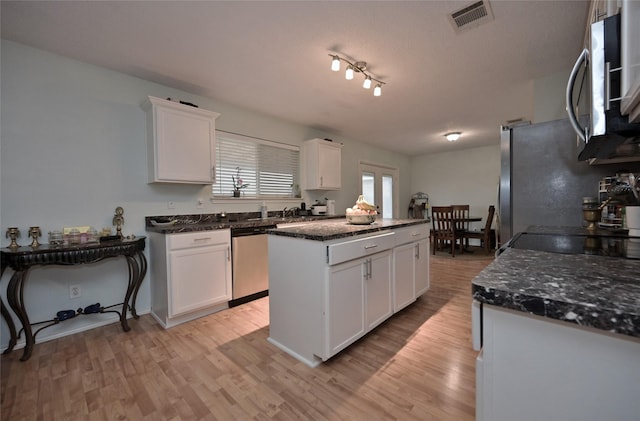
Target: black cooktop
612,246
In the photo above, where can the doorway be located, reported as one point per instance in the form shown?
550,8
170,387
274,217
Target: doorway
379,186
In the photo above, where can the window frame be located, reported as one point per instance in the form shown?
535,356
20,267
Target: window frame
251,169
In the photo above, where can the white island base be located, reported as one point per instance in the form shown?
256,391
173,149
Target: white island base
325,295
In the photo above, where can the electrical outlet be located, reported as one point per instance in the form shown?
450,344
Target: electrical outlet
171,205
74,291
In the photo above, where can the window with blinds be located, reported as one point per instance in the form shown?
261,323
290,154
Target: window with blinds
269,169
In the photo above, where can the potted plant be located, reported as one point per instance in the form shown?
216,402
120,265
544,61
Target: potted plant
238,184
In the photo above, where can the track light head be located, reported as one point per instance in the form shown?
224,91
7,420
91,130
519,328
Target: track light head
349,73
377,91
335,64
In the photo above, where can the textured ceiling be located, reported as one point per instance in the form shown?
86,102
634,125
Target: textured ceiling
272,57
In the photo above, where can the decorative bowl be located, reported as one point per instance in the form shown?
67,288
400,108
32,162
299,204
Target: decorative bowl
361,219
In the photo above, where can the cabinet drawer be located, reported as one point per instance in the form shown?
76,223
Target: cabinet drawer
348,250
197,239
412,234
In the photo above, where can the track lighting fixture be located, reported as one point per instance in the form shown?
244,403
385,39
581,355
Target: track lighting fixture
453,136
357,67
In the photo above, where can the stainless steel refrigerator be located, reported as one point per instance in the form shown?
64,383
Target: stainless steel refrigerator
541,180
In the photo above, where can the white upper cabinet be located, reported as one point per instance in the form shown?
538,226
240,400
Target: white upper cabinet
323,161
181,142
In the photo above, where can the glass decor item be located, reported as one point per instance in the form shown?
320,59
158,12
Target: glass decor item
55,238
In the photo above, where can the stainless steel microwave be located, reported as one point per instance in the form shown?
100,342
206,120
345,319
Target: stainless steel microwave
608,136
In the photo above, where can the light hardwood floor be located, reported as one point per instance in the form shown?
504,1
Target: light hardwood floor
418,365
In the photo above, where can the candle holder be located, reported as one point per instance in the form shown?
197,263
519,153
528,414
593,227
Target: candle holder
118,220
34,233
13,233
592,216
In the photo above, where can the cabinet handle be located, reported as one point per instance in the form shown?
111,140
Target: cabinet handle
321,181
367,269
213,173
201,239
370,269
228,253
417,246
372,246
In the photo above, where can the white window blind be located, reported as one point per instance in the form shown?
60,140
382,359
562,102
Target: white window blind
269,169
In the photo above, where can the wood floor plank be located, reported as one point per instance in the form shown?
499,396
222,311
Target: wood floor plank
418,365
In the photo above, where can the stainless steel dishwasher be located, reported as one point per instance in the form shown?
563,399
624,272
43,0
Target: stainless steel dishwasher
250,263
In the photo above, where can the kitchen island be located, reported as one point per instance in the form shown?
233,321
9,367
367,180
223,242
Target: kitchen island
332,282
559,336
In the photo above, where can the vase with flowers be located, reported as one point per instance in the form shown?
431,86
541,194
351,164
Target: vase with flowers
238,183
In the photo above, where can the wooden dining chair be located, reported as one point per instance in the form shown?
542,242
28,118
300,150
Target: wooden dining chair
485,234
443,228
461,223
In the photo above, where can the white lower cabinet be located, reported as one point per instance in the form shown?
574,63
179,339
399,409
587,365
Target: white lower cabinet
404,276
345,305
421,263
377,288
534,368
190,274
359,299
411,266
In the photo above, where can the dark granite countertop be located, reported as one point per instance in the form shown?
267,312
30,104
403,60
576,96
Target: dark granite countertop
598,232
339,228
172,224
596,291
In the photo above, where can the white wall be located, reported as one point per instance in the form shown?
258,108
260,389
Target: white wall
469,176
549,97
73,149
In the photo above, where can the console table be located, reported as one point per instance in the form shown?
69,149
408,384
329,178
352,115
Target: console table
22,259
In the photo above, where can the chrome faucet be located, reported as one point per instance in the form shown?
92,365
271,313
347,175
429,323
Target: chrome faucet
292,212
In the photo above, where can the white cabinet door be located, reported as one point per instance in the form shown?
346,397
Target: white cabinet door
404,276
345,305
181,143
595,373
323,160
377,285
198,278
411,273
329,166
422,267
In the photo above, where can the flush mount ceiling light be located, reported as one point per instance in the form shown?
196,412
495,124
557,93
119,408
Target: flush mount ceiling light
452,136
357,67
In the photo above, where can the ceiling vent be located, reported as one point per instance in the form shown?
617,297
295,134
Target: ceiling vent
471,16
